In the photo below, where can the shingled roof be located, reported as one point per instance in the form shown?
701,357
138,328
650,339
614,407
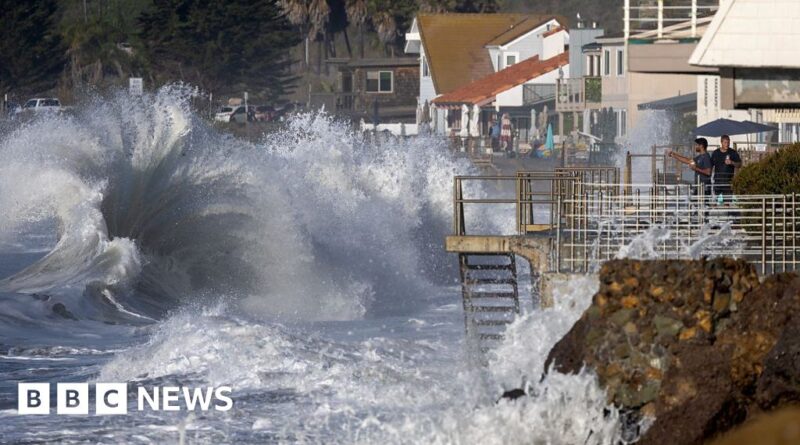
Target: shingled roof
485,89
525,26
455,44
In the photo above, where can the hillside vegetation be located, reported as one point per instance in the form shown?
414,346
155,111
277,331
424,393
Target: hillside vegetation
66,47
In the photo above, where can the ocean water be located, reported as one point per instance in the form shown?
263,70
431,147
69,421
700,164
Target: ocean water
305,271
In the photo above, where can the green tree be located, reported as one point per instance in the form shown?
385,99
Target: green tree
101,40
31,51
224,47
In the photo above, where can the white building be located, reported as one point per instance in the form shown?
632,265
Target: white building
755,45
456,50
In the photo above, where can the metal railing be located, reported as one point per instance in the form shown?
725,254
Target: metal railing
669,171
677,224
532,94
754,152
579,94
536,194
658,19
591,218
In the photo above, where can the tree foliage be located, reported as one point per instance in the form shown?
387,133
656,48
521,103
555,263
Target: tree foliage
31,50
778,173
223,47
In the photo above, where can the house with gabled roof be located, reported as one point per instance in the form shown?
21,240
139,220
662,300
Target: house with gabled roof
458,50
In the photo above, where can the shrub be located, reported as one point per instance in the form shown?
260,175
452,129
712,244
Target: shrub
778,173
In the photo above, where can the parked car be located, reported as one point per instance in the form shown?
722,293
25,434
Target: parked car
263,113
231,114
42,105
283,110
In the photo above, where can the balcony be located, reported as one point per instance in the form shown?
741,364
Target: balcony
538,93
579,94
652,20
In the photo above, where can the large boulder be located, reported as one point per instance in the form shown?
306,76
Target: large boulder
694,346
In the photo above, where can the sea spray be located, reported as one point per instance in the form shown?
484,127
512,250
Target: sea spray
311,223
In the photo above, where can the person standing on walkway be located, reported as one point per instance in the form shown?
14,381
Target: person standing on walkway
505,133
700,164
724,161
494,133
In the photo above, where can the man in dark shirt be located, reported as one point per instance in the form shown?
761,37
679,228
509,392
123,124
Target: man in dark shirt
725,161
701,165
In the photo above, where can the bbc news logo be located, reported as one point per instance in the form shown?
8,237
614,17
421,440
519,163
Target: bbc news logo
112,398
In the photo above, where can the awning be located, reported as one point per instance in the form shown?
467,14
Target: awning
682,102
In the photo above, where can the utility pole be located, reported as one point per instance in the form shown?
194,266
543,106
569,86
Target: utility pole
246,110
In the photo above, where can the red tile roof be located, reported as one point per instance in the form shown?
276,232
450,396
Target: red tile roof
486,88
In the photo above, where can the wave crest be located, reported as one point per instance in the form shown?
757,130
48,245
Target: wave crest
158,207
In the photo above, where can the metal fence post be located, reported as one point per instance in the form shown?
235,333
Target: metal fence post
763,236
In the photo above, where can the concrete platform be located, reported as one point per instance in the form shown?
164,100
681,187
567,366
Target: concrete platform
535,249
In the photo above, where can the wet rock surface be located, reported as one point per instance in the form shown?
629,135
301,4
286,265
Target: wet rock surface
698,346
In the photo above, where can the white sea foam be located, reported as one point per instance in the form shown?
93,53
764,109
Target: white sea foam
312,222
155,211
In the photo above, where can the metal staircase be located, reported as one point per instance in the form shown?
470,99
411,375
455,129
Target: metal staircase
490,295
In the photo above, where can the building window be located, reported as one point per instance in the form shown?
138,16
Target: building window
716,93
623,122
607,62
620,63
425,71
593,66
510,59
379,81
705,93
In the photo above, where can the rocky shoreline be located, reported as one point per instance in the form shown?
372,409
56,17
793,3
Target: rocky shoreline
692,348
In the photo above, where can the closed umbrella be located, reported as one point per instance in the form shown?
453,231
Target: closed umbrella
464,121
532,134
543,118
474,129
549,143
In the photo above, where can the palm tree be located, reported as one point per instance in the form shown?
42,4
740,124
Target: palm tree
386,27
357,14
296,12
436,6
318,14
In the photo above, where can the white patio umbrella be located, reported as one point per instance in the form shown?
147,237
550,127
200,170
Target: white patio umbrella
474,129
464,121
